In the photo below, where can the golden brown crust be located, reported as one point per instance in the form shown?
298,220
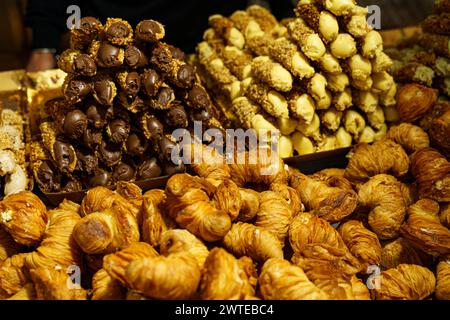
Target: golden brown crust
410,137
8,247
26,293
13,275
424,229
249,204
414,101
104,287
405,282
401,251
443,279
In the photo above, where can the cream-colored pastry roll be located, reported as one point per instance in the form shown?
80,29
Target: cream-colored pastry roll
329,64
388,99
285,52
381,134
312,129
382,82
325,102
302,106
343,138
338,82
339,7
356,24
363,85
214,40
360,67
344,46
381,62
310,42
263,17
367,101
302,144
367,135
245,109
238,61
285,147
354,123
287,126
241,19
328,26
272,73
317,86
260,123
372,44
376,119
271,101
331,119
226,29
327,143
343,100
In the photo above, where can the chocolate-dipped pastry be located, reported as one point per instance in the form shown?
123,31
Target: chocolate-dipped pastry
75,89
123,172
170,168
118,130
152,127
75,124
130,82
201,115
75,62
91,139
133,104
185,76
135,57
48,177
151,82
72,186
104,91
118,31
55,107
64,156
98,115
88,31
149,169
87,161
167,146
163,99
109,153
108,56
198,98
135,145
177,53
149,31
161,58
176,116
101,178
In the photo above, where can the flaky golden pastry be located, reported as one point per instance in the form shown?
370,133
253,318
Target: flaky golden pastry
443,279
101,198
245,239
249,204
401,251
26,293
444,215
104,287
383,156
224,278
280,280
410,137
405,282
424,229
173,278
383,196
8,247
13,275
24,217
323,198
227,197
432,171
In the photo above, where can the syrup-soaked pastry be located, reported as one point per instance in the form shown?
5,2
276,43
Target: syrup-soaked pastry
109,153
176,116
89,30
123,172
75,89
101,178
163,99
149,31
151,82
91,138
149,169
152,127
107,55
87,161
135,57
118,31
104,91
64,156
98,115
75,124
129,82
118,130
136,145
75,62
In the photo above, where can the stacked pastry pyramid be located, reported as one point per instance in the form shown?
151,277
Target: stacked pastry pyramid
320,79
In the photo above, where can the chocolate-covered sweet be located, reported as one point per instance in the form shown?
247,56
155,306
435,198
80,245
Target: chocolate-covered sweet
163,99
133,104
134,57
64,156
118,29
55,107
84,65
104,91
151,82
75,124
162,59
109,56
72,186
101,178
87,162
123,172
149,169
98,115
198,98
186,76
48,177
131,83
177,53
88,31
149,31
109,153
170,168
201,115
152,127
135,145
75,89
176,116
91,139
118,130
167,147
